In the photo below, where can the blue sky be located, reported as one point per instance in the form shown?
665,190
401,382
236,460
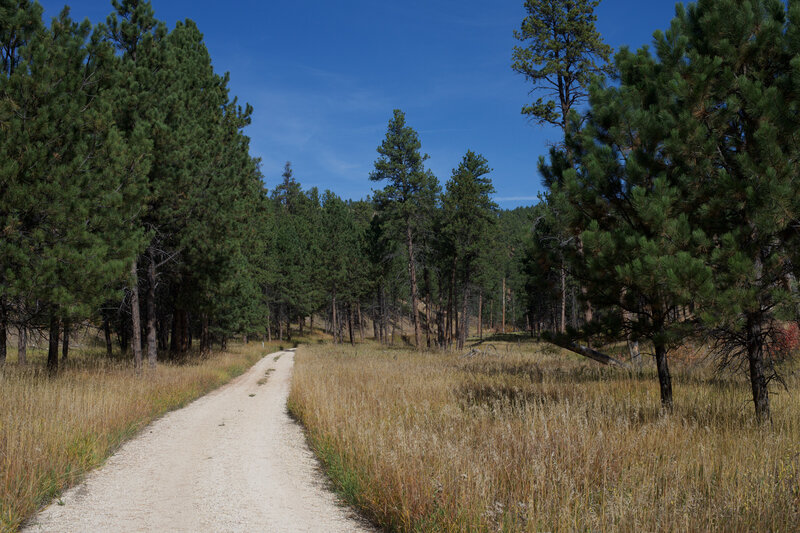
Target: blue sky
324,78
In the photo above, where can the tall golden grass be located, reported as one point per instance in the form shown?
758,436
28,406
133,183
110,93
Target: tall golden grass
53,430
534,439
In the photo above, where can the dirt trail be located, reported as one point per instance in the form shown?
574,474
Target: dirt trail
231,461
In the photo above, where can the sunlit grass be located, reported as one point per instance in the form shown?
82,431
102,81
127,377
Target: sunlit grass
534,439
52,430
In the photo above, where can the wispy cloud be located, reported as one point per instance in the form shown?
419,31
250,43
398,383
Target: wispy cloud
516,198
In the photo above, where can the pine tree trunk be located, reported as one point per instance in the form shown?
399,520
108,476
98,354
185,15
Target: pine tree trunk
137,324
664,379
456,320
393,321
448,325
466,315
3,333
440,333
181,334
427,280
384,318
173,343
512,310
65,342
428,320
563,298
376,317
179,331
205,336
574,299
350,323
503,323
302,323
162,331
334,329
22,345
462,339
152,347
375,329
480,315
588,314
412,270
758,379
107,335
188,332
451,305
52,349
360,322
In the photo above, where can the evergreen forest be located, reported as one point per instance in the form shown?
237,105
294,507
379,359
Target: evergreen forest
131,206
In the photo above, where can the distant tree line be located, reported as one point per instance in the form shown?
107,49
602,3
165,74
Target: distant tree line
413,264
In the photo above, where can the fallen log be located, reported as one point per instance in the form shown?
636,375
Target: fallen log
588,352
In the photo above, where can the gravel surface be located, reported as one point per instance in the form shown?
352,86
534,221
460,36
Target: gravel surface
231,461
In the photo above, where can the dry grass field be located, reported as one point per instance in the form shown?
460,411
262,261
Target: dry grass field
529,438
52,430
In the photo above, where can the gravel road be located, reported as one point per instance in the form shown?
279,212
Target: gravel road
231,461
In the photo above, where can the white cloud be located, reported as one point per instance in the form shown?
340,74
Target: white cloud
516,198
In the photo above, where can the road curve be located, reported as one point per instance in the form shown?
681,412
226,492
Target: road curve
232,460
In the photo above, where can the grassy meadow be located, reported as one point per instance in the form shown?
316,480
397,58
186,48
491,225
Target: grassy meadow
530,438
53,430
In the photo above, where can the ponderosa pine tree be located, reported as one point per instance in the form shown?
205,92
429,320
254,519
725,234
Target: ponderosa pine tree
641,260
223,242
542,258
360,281
201,181
204,182
734,71
66,203
311,298
287,275
383,253
688,174
107,156
408,198
561,52
298,231
512,233
468,213
133,29
19,22
340,248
